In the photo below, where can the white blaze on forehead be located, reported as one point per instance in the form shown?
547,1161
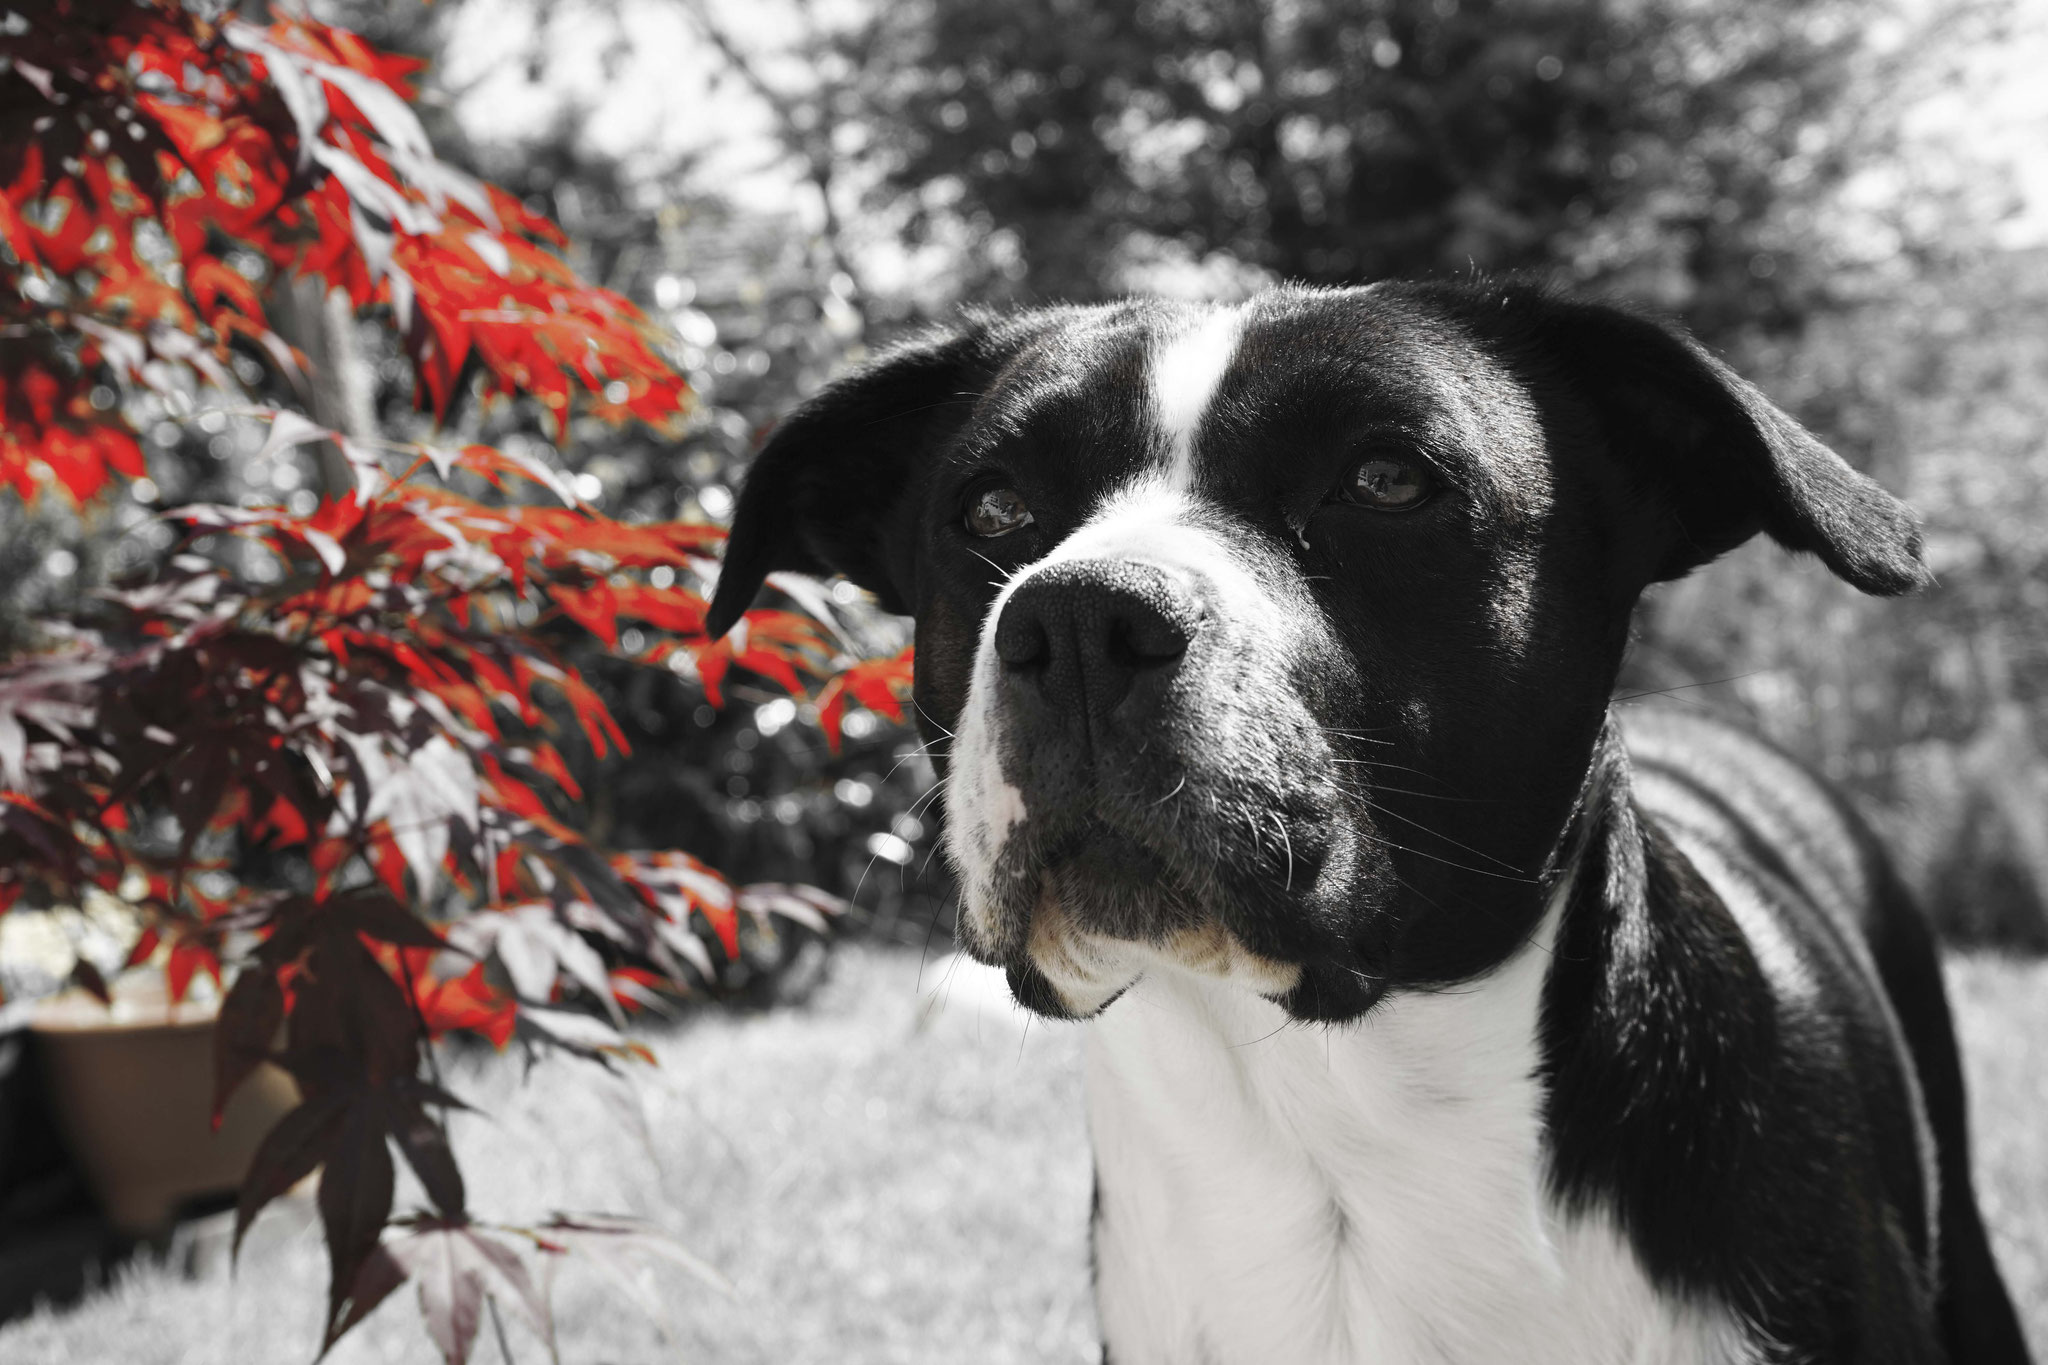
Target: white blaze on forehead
1186,369
1149,519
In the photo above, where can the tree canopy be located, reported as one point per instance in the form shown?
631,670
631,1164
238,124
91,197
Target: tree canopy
1677,152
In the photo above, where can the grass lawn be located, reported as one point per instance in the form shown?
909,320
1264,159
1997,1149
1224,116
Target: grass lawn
2001,1010
879,1183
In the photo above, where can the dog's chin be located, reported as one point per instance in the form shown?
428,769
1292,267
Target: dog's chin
1101,917
1070,972
1076,918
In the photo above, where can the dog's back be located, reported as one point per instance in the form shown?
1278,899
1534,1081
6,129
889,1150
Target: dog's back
1819,893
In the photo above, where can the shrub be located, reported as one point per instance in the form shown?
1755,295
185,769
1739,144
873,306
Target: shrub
315,753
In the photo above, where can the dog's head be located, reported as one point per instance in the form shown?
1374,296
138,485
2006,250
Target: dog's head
1273,641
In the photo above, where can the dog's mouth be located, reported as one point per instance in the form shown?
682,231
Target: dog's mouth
1116,885
1078,916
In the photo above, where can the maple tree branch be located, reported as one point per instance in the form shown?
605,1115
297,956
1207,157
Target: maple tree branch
319,322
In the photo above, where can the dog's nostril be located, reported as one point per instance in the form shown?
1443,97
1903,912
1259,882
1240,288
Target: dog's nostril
1146,639
1021,641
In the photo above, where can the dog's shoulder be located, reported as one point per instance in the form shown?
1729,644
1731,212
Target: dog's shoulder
1706,781
1726,946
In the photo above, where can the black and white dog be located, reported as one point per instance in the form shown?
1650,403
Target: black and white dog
1439,1015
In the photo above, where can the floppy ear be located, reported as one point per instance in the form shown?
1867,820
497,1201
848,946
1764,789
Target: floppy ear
1717,459
825,494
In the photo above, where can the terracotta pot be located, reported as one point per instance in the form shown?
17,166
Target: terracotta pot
133,1091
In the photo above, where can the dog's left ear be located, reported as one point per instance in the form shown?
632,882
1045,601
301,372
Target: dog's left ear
825,495
1713,458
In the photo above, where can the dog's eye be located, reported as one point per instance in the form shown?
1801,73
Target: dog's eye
1390,482
997,511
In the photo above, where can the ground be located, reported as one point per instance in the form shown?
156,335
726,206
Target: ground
881,1184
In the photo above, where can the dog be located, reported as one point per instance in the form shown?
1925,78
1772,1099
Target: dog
1439,1013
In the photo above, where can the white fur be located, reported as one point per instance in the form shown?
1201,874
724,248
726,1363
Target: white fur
1186,368
982,806
1005,805
1146,520
1273,1192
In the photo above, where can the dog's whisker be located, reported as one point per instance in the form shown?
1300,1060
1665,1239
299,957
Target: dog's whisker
1379,809
924,750
1278,1028
1178,787
931,930
1355,734
1379,789
928,793
1007,574
1380,764
928,718
930,796
1287,843
1385,842
929,854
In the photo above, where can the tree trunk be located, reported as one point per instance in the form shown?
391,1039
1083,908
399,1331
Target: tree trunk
339,392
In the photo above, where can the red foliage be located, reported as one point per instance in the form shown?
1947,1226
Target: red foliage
881,685
139,140
376,712
383,715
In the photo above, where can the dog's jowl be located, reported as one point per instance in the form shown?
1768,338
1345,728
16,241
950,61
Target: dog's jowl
1436,1012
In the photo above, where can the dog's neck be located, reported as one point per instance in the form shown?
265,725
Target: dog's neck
1380,1190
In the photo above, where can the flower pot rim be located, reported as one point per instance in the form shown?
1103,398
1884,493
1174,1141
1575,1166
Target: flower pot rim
145,1011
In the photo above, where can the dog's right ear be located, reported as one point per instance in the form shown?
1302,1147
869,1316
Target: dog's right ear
1709,460
825,495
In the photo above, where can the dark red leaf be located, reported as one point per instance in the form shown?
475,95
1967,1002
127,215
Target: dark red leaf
355,1198
348,1006
89,979
245,1034
381,1273
413,1090
377,915
547,759
425,1145
298,1143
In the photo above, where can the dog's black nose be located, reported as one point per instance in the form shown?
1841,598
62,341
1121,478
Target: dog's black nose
1083,632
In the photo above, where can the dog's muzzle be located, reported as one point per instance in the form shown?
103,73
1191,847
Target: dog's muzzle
1137,780
1090,650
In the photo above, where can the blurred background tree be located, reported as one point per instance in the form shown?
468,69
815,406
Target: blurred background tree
1680,153
759,297
1826,190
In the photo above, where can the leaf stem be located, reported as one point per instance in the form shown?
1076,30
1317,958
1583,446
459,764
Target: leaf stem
498,1326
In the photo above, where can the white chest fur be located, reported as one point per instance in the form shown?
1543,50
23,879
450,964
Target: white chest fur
1278,1193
